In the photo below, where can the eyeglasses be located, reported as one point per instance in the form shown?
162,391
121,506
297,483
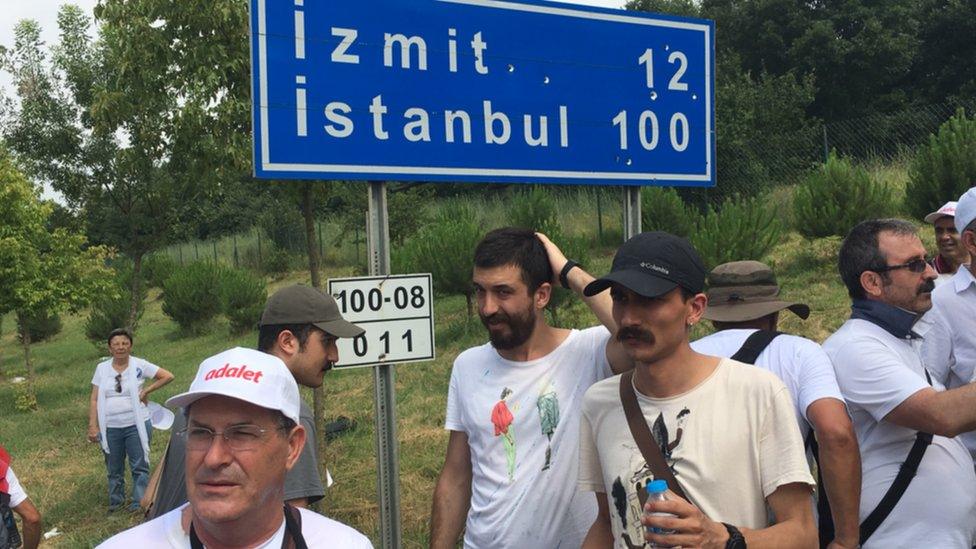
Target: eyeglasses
118,383
238,438
915,266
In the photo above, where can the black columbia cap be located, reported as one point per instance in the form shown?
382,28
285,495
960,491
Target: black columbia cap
653,264
303,305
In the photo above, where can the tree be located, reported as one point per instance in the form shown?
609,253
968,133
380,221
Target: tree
42,272
104,127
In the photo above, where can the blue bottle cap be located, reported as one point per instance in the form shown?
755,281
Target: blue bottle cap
659,486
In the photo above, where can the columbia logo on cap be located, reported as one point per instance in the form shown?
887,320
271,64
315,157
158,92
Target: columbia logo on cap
655,267
242,372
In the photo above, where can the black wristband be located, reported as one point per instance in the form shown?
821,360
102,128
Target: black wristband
563,281
736,539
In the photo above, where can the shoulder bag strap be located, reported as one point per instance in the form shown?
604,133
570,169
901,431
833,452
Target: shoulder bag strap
293,529
897,489
754,345
642,434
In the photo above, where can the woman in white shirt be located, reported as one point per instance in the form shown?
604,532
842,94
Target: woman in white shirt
119,419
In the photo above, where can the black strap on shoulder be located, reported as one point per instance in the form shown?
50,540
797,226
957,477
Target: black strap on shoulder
642,435
754,345
906,473
293,531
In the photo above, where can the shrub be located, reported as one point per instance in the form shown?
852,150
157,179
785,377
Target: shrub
277,262
662,209
832,200
41,326
157,268
535,209
111,311
242,297
742,228
191,297
944,168
444,248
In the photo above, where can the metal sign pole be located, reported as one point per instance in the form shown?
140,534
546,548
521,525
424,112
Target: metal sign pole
387,454
632,212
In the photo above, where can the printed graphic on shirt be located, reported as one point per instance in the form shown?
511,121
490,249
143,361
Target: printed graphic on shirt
629,494
502,419
548,406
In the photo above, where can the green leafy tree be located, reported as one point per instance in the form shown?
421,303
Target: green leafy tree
943,168
739,229
838,196
102,123
42,272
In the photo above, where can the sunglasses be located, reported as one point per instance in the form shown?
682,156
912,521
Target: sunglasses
118,383
915,266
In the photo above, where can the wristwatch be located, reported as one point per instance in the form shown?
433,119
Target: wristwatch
736,541
563,281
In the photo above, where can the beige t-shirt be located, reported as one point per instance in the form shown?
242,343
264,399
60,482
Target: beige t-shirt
730,441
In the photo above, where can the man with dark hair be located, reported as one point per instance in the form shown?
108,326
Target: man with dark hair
300,326
722,430
918,485
513,409
744,305
242,436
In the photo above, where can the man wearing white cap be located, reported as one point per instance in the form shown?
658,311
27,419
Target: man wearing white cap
949,348
243,434
952,254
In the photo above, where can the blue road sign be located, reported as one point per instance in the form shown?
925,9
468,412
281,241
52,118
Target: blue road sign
481,90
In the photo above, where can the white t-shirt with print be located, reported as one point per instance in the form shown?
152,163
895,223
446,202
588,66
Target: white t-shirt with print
798,362
166,532
118,405
731,442
876,372
516,499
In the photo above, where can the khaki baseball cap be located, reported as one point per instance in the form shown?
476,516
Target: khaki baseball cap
746,290
303,305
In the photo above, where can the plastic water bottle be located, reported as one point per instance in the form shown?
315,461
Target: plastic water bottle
656,492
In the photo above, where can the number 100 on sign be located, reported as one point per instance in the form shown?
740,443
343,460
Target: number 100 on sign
396,313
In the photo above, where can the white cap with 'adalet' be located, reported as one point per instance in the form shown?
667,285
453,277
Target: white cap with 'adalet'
248,375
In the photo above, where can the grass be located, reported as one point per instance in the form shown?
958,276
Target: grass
65,475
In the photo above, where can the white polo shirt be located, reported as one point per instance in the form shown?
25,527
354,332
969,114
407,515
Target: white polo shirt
798,362
876,372
949,349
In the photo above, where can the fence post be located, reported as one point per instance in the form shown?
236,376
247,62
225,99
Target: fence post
181,254
321,248
260,258
196,251
599,213
236,264
214,242
826,146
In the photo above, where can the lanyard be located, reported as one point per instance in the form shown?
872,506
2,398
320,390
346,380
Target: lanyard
293,532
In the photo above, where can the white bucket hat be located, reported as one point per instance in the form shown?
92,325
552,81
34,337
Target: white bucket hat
245,374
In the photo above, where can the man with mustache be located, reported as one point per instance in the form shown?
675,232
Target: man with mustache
952,253
736,451
507,479
299,325
918,486
243,434
949,348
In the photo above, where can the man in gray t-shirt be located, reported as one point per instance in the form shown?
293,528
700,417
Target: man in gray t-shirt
300,326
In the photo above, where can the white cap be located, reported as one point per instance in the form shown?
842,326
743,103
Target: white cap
966,209
947,209
160,417
248,375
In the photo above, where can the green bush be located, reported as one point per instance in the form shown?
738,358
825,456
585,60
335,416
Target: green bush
535,209
191,296
742,228
832,200
444,248
242,297
944,168
277,262
111,311
662,209
41,326
157,268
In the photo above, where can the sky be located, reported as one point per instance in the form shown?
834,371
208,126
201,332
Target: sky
45,12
